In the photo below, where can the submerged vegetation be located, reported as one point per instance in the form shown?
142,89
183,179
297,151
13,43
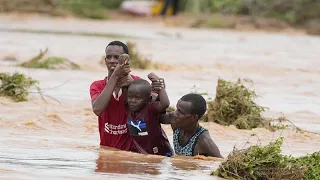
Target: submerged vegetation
235,104
49,63
267,162
17,86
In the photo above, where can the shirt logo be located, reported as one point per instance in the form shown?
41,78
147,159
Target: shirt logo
137,127
115,129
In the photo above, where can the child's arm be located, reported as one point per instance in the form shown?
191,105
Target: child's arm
163,101
167,119
158,85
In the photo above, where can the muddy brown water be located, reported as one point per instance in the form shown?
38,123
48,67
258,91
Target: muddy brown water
55,140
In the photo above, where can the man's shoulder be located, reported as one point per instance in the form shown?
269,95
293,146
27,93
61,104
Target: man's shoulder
202,141
102,81
206,146
203,137
205,133
135,77
98,83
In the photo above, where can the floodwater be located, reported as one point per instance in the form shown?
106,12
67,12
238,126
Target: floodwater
58,138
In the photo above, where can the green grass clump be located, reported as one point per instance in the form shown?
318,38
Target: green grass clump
267,163
50,62
312,162
234,105
16,86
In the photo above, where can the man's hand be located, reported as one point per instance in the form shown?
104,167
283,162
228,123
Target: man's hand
157,83
124,59
124,81
123,67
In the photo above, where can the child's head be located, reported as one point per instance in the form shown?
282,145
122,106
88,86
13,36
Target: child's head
139,94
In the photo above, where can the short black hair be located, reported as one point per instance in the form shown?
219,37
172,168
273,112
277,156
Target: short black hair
119,43
146,85
198,103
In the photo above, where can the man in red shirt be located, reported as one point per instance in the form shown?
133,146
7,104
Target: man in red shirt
108,103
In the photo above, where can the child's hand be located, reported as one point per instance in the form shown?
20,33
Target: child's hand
157,83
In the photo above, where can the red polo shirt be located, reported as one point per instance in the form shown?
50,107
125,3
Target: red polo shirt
112,122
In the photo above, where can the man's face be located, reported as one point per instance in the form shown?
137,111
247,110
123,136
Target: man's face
183,117
112,56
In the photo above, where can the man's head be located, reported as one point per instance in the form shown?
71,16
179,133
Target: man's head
139,94
113,51
190,108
